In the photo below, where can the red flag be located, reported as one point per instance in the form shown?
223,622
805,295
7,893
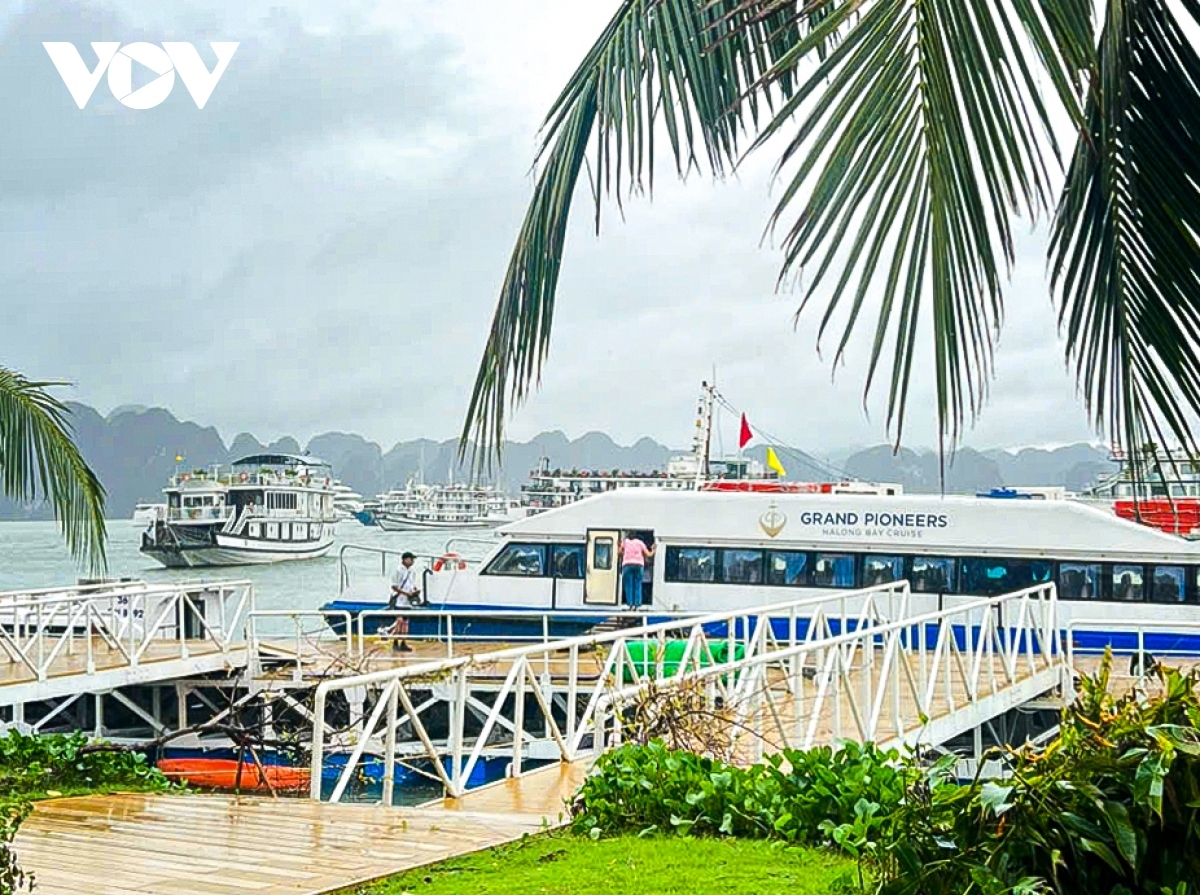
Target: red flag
744,438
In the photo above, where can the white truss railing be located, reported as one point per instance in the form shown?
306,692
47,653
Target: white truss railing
856,664
125,624
904,682
566,671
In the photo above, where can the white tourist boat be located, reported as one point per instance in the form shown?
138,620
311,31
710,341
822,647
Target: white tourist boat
420,507
720,551
549,488
347,503
146,514
268,508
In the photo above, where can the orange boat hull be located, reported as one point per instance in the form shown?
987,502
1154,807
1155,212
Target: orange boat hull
223,773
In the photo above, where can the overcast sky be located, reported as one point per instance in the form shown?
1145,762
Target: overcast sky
321,246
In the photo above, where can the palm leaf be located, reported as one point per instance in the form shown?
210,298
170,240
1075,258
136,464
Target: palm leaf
1125,251
38,459
675,68
908,150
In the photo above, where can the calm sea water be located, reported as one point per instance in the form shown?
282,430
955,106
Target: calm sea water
32,555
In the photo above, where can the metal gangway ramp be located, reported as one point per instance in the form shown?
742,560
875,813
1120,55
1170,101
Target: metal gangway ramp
65,643
859,665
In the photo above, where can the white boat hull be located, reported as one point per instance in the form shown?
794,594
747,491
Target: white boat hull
402,523
230,551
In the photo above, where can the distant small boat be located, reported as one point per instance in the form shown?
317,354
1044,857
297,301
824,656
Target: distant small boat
146,514
223,773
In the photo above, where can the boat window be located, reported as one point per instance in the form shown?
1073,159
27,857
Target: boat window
832,570
786,568
882,570
933,574
1170,584
742,566
602,554
1002,576
255,530
985,576
1127,583
1079,581
522,560
691,564
567,561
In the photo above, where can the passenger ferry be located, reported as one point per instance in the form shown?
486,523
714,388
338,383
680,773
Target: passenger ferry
269,508
720,551
420,507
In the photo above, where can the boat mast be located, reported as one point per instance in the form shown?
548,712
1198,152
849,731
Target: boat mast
702,442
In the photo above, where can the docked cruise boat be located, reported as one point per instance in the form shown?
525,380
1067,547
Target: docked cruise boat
420,507
267,508
347,503
549,488
719,551
1164,492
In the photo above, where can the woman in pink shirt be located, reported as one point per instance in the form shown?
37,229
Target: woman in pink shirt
633,561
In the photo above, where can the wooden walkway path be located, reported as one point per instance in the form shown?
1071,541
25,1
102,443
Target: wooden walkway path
206,844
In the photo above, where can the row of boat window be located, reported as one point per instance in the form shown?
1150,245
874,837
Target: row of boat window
531,561
1126,582
285,531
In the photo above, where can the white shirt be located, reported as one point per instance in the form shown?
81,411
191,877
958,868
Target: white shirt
405,579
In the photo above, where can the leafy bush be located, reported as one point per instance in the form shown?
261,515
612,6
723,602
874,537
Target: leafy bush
1111,807
821,795
35,765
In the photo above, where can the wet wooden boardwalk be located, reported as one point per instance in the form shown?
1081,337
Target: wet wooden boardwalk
204,844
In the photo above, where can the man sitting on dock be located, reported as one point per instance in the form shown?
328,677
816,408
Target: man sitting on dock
404,587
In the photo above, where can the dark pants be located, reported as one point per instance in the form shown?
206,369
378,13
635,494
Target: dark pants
631,585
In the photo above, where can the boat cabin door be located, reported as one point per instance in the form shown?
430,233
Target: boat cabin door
602,579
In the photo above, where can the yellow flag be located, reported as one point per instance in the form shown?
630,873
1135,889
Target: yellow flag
773,463
178,458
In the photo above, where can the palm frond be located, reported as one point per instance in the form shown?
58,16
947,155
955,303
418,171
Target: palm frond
909,149
39,460
682,68
1125,250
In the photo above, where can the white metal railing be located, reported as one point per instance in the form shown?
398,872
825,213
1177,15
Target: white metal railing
124,622
563,665
1115,636
294,645
199,514
390,557
857,663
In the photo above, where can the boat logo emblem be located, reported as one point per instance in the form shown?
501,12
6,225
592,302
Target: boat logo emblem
773,520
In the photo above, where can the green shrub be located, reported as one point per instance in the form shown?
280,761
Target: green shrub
33,765
822,795
1111,807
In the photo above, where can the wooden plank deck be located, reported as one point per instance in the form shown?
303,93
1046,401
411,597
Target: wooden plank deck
203,844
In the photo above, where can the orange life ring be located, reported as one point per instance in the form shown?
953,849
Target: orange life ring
447,560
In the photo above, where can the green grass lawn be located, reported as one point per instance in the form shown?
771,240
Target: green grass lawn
562,863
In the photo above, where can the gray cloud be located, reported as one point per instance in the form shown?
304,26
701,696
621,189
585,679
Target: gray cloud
321,246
